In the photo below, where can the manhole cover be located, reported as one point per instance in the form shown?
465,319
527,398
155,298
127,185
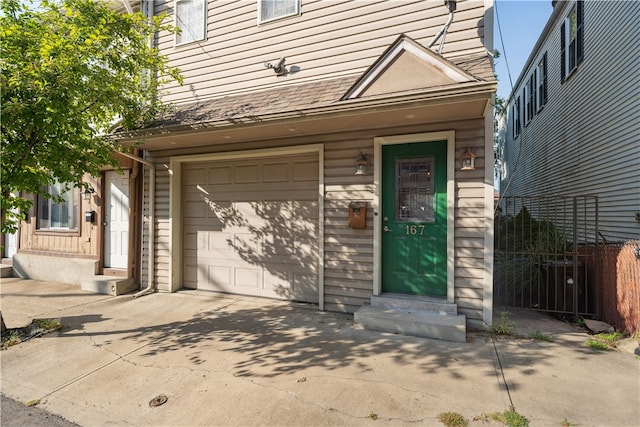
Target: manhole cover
158,400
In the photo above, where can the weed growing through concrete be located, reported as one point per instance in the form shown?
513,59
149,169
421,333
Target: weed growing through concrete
36,328
373,415
12,339
566,423
537,335
504,326
453,419
509,418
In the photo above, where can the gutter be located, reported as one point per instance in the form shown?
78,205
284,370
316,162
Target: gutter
152,190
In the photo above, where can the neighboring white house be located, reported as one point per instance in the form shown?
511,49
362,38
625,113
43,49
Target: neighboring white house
572,123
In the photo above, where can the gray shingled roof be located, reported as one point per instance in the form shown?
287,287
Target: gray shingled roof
249,107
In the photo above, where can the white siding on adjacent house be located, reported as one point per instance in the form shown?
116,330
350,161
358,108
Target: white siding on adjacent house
586,140
329,39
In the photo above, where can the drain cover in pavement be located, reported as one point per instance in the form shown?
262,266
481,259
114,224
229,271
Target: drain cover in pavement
158,400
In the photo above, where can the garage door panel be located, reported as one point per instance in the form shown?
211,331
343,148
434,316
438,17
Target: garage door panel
248,278
276,172
305,171
254,224
220,175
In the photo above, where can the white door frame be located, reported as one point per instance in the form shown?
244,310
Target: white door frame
448,136
108,262
175,197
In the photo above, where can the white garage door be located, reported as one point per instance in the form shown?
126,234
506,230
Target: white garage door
251,226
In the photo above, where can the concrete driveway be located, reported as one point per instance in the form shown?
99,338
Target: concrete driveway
229,360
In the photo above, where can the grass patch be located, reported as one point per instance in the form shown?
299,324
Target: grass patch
37,328
49,325
537,335
610,337
604,341
598,345
32,403
509,418
453,419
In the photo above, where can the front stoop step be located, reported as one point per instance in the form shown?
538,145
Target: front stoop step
6,270
108,285
414,316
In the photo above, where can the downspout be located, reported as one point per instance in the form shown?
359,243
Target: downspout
152,195
443,32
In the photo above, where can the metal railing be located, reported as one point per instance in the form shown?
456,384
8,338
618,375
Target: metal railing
542,259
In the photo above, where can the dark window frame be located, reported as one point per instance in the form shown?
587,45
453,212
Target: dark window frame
572,49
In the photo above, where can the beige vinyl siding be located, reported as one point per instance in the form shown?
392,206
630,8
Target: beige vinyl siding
349,262
329,39
348,253
162,224
586,140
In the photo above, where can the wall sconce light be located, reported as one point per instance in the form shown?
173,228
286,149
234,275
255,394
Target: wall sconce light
87,192
468,161
278,67
362,163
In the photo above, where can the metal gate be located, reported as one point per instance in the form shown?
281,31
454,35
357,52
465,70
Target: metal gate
546,254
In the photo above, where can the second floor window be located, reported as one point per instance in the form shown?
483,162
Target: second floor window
541,82
269,10
191,20
61,212
571,40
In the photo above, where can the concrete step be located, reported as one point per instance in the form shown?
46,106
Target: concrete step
424,324
414,303
6,270
108,285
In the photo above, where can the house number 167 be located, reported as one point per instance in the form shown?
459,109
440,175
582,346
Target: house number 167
414,229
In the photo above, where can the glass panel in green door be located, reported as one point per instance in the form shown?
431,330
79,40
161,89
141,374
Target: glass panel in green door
414,218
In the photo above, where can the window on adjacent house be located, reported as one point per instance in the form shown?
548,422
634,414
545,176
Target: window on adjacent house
516,118
541,83
571,40
269,10
59,212
528,97
191,20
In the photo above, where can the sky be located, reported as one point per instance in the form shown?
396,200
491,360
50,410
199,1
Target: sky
521,23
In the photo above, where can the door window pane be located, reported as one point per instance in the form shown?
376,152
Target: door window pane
415,201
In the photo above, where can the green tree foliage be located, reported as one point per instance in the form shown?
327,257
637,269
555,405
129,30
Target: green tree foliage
71,71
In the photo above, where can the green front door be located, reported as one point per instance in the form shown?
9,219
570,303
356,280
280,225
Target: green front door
414,218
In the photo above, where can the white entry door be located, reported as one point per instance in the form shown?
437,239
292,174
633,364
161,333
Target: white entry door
116,234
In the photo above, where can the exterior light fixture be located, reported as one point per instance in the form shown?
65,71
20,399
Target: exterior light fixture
468,161
362,162
278,67
87,192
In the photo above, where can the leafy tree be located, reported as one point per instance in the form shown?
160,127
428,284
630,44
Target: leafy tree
71,71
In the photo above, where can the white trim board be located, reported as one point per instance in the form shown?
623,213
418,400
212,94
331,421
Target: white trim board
175,196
